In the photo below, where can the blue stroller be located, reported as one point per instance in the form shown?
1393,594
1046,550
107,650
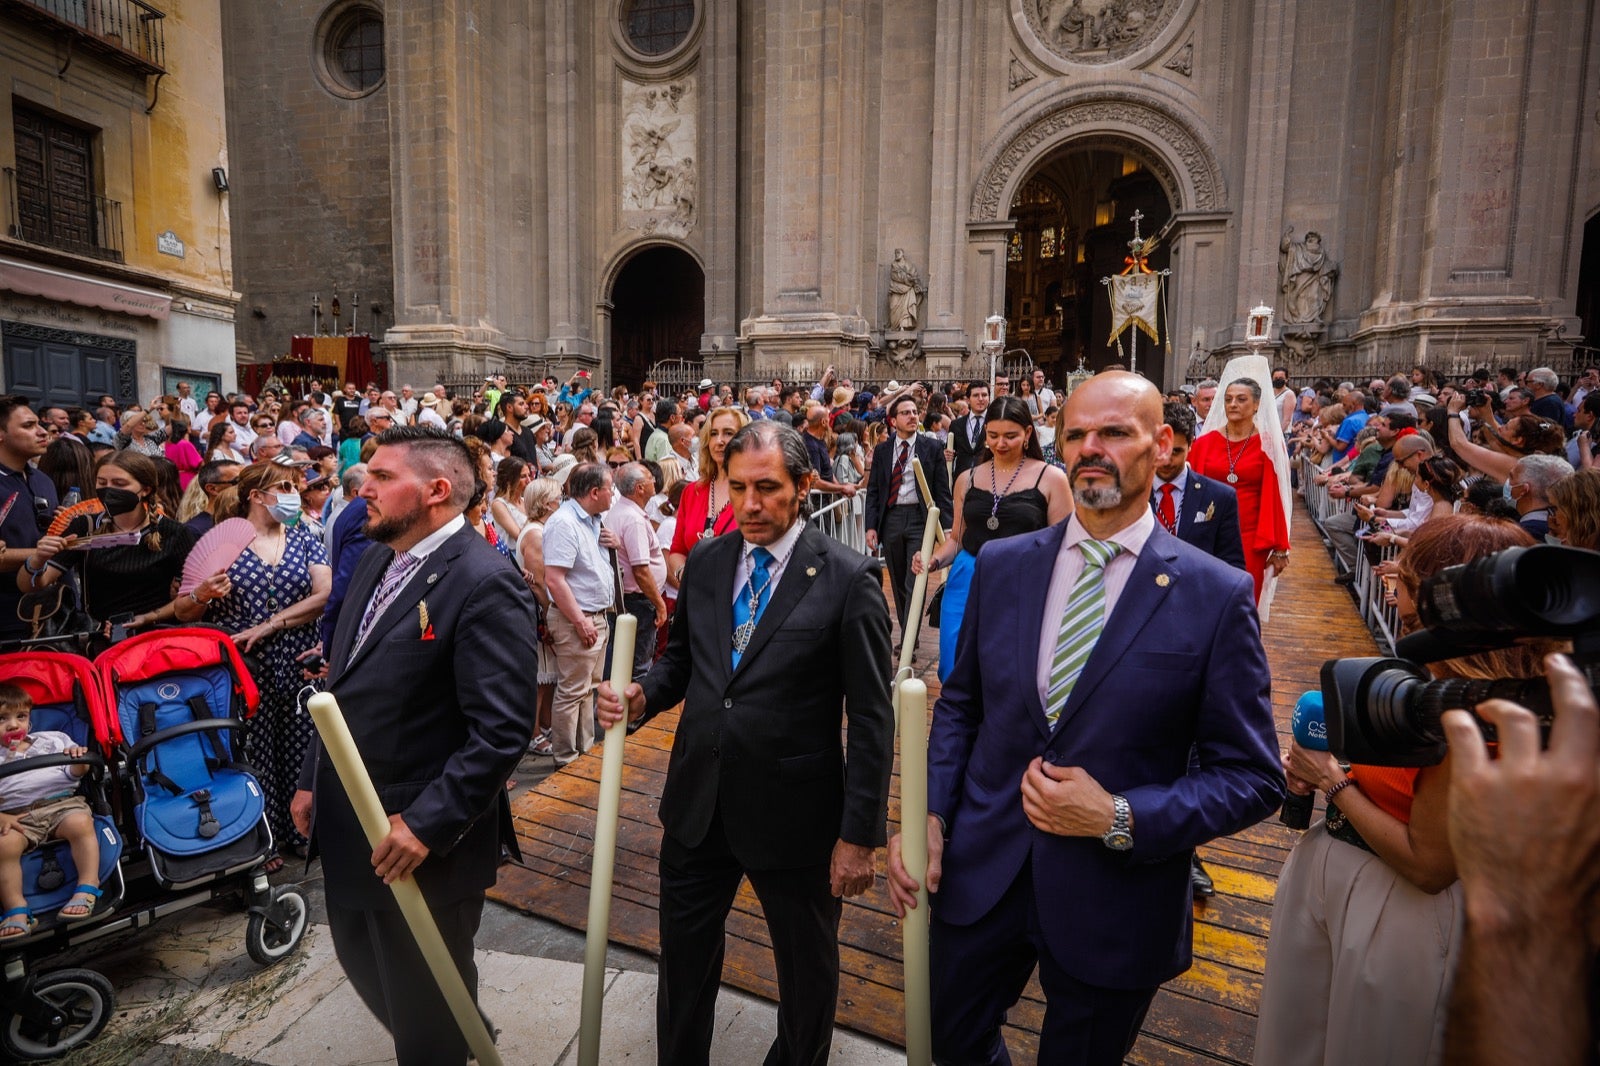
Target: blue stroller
181,822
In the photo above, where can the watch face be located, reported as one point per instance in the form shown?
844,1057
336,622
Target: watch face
1119,840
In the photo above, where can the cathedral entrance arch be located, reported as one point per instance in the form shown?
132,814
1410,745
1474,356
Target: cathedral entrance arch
1088,160
658,309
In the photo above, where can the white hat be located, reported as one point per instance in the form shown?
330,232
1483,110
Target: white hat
893,386
562,468
705,383
533,422
429,400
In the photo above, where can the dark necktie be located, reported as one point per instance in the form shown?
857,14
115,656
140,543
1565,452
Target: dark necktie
897,475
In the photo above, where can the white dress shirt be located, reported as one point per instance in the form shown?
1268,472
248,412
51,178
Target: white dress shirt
1177,484
1068,567
781,551
906,491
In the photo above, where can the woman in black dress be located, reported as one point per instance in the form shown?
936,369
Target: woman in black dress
138,578
1009,490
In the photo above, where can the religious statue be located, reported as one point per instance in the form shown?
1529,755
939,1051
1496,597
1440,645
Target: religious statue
1305,276
906,290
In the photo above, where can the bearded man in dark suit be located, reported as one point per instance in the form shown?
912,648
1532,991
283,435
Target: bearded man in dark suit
430,675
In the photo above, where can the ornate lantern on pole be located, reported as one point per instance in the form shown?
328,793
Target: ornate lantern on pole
994,343
1258,328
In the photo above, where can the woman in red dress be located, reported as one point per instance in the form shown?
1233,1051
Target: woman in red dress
1234,456
705,509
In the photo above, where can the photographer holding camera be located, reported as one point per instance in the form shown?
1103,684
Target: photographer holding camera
1366,924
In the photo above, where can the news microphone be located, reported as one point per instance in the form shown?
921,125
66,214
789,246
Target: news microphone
1311,733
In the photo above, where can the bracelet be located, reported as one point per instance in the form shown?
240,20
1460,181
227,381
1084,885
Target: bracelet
1340,787
198,602
30,568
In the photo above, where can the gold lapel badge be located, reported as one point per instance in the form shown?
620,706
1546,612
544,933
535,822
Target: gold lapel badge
811,571
1163,580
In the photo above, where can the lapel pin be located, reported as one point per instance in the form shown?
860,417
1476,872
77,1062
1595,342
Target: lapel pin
1163,580
432,578
811,571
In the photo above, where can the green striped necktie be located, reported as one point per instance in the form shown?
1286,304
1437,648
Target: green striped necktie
1081,623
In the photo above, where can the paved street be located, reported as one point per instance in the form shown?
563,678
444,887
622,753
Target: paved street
188,995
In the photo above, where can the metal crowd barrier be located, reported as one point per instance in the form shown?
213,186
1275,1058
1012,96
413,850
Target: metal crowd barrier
844,518
1371,597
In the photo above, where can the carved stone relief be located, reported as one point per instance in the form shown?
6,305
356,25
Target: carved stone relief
1183,62
1306,273
659,180
1171,137
1019,73
1097,31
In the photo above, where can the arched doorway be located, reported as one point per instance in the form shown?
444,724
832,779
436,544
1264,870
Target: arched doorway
1073,216
658,312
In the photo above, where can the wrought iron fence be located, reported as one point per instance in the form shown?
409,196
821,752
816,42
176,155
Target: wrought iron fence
103,239
1566,359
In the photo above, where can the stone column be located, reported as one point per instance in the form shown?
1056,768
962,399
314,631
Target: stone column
949,331
984,288
569,159
438,63
717,164
1261,223
818,115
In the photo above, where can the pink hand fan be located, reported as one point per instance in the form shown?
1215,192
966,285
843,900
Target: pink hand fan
216,551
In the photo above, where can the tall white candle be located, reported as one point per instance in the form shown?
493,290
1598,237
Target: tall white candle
341,748
605,848
914,853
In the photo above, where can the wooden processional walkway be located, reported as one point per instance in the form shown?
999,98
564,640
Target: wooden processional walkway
1206,1015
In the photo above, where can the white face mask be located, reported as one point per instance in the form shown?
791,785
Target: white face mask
285,507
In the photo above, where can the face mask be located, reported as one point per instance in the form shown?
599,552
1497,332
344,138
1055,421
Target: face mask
1505,490
286,508
117,501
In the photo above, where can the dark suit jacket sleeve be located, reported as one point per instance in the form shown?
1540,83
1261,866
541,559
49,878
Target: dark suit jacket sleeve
350,545
938,475
1240,780
869,743
494,646
1230,542
877,478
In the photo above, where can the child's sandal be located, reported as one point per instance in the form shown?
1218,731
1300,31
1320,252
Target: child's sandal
83,900
16,922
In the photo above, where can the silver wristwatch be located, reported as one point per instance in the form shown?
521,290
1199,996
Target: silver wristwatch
1120,836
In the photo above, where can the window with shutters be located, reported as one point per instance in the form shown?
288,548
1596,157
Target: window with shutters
52,189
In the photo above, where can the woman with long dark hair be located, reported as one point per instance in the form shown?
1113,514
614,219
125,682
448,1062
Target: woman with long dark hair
69,464
1008,491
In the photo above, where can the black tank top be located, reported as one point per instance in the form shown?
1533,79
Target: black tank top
1024,511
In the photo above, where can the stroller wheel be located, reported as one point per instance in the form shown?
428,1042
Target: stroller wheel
72,1006
276,929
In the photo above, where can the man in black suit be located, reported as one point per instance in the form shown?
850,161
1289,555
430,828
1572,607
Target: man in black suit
966,432
431,677
778,629
1200,511
895,509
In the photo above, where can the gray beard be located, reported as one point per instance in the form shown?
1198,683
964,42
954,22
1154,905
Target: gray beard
1099,499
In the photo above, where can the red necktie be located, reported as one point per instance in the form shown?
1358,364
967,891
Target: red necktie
1166,512
897,475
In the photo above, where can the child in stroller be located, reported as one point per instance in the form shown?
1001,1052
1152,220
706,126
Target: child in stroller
34,807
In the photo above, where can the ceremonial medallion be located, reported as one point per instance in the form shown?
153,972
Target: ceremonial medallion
993,523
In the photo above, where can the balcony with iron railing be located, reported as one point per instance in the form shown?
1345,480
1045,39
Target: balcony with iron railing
92,228
126,32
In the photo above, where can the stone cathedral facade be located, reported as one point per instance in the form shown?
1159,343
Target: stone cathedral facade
765,188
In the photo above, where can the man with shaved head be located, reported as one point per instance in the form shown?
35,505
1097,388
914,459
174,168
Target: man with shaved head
1063,809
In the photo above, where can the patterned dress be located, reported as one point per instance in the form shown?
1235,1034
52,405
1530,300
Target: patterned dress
277,740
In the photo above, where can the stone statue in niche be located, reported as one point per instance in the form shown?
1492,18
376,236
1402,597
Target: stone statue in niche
1306,274
906,290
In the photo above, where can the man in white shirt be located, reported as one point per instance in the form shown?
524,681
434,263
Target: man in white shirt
644,566
187,403
408,403
580,577
428,412
244,436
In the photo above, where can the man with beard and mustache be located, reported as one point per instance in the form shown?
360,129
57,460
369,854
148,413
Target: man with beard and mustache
1062,805
430,676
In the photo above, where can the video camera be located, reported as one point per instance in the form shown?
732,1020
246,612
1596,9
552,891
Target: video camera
1386,712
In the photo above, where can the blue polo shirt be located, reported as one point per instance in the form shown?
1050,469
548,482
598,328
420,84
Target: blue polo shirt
1352,425
30,494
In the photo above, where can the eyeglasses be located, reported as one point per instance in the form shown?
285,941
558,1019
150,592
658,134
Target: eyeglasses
616,465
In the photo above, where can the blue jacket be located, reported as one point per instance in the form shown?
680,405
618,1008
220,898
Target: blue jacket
1179,665
349,543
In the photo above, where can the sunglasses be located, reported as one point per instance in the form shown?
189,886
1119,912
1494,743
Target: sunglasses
615,465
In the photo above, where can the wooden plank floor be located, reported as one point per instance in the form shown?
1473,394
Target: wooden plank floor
1206,1015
